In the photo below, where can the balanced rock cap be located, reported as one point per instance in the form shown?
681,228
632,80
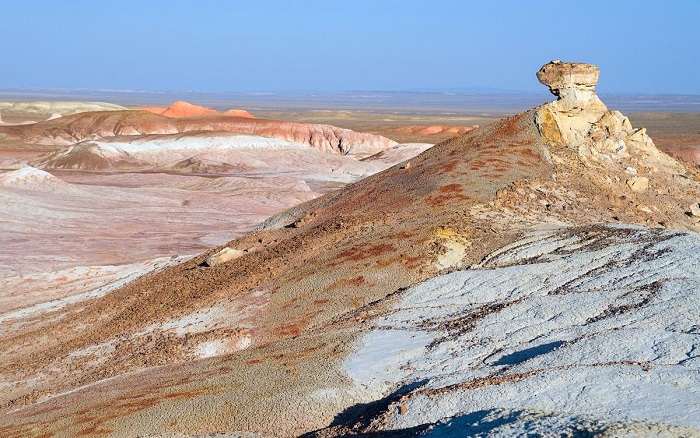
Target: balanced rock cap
561,77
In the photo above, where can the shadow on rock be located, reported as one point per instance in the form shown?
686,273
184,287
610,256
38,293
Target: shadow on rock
528,353
355,420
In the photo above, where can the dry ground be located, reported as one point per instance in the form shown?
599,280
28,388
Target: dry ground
305,288
307,285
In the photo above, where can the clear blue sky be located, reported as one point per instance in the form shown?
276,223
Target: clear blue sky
330,45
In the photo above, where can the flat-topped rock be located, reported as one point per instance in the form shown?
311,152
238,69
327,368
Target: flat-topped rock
565,77
574,85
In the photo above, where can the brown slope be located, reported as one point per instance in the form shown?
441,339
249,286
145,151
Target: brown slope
352,248
313,278
94,125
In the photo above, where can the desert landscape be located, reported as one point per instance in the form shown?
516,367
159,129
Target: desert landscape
183,270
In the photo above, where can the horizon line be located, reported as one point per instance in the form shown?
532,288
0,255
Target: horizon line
416,90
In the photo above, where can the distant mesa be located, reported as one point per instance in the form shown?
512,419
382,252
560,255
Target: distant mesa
421,133
238,113
690,154
210,152
434,129
185,109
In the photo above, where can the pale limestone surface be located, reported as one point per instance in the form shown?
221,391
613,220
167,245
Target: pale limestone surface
593,321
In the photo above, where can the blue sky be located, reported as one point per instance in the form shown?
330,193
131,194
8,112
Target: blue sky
276,45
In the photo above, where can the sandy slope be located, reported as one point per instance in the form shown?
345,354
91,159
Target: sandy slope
95,226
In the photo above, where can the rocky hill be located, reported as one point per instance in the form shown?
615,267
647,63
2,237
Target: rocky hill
536,275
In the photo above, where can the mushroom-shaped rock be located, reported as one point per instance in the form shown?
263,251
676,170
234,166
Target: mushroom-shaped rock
573,83
579,120
563,78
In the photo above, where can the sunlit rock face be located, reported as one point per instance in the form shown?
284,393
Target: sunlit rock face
568,119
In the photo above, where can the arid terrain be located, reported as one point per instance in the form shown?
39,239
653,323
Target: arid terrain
184,271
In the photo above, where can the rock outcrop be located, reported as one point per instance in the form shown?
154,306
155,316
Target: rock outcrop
537,326
223,256
572,82
580,121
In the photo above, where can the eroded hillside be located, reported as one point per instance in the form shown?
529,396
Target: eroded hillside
293,335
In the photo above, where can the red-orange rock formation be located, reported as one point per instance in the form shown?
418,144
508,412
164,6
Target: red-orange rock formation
185,109
434,129
422,133
238,113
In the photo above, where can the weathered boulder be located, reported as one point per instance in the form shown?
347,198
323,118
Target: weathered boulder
223,256
695,210
638,183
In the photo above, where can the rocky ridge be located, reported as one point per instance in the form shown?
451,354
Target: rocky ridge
92,126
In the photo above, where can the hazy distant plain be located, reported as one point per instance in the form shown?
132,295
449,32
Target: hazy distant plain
487,103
